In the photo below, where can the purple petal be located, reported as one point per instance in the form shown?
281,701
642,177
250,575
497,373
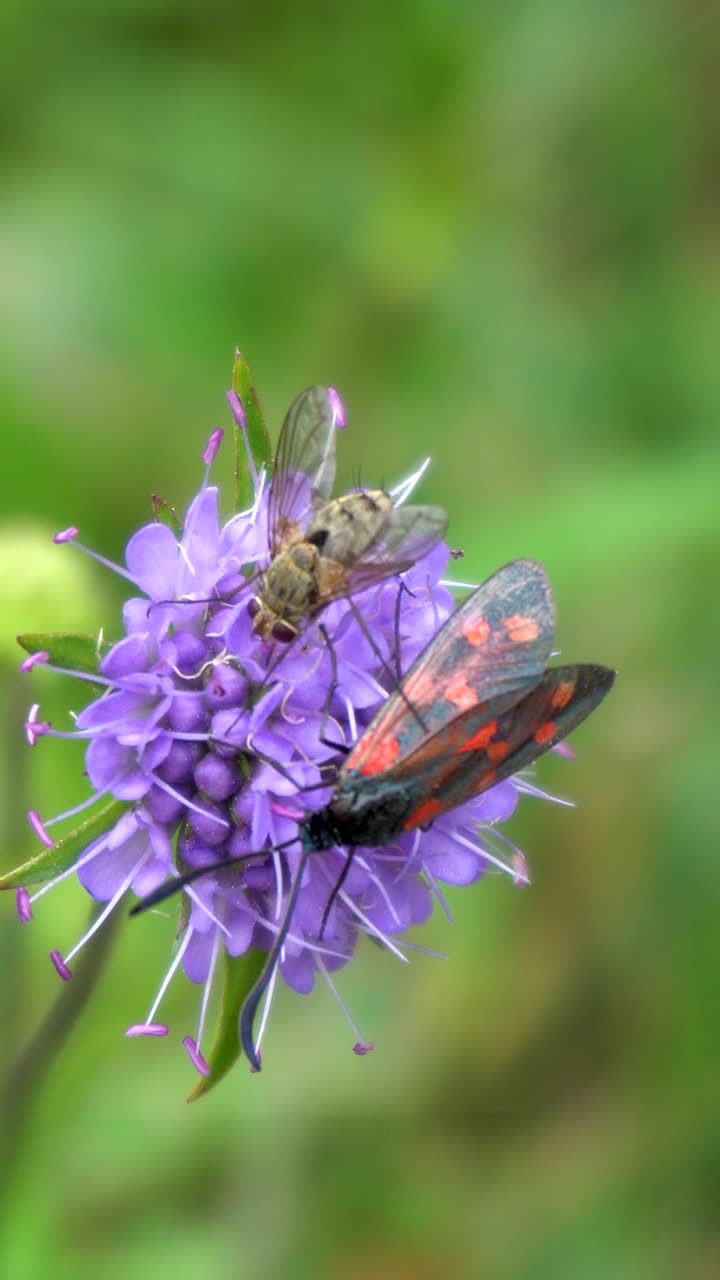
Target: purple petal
152,556
126,657
113,767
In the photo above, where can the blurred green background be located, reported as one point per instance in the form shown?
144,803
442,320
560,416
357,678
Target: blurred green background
495,228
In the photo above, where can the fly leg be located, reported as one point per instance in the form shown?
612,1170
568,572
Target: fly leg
389,674
329,742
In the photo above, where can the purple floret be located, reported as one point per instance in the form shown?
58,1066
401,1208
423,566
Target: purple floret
215,737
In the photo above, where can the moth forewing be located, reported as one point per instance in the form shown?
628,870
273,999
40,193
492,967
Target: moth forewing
496,643
506,739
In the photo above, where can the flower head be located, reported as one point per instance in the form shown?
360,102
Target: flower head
219,743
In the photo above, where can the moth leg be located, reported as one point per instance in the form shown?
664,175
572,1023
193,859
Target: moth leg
396,625
335,891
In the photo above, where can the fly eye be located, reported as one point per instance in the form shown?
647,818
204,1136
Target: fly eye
254,607
283,632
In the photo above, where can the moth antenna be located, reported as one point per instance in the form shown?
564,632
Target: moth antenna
171,887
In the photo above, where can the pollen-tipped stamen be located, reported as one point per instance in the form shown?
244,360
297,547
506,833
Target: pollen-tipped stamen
361,1046
109,907
177,958
38,827
22,902
34,660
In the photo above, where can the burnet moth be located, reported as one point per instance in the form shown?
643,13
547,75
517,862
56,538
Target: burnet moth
476,706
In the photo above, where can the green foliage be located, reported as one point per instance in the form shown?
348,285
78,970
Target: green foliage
239,974
66,649
65,851
494,229
255,431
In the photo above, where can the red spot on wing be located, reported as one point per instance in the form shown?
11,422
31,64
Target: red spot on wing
458,692
562,695
481,738
521,629
497,751
420,688
546,732
425,812
381,757
476,631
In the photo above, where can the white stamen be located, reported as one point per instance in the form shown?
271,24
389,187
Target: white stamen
379,885
461,586
199,902
403,490
85,804
305,943
208,987
351,718
338,998
437,891
70,871
186,558
108,564
169,975
249,457
485,855
527,788
189,804
372,682
424,951
106,912
259,491
372,927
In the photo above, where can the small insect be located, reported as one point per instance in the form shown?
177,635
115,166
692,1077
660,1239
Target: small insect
323,548
488,707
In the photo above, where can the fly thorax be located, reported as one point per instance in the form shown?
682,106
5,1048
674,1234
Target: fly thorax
289,588
343,529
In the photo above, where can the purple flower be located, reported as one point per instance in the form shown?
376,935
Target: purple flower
218,742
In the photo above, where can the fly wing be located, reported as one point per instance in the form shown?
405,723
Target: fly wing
496,644
408,534
304,471
492,742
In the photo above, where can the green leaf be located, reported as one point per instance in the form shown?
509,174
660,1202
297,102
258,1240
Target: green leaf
165,514
256,432
76,652
241,972
67,850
